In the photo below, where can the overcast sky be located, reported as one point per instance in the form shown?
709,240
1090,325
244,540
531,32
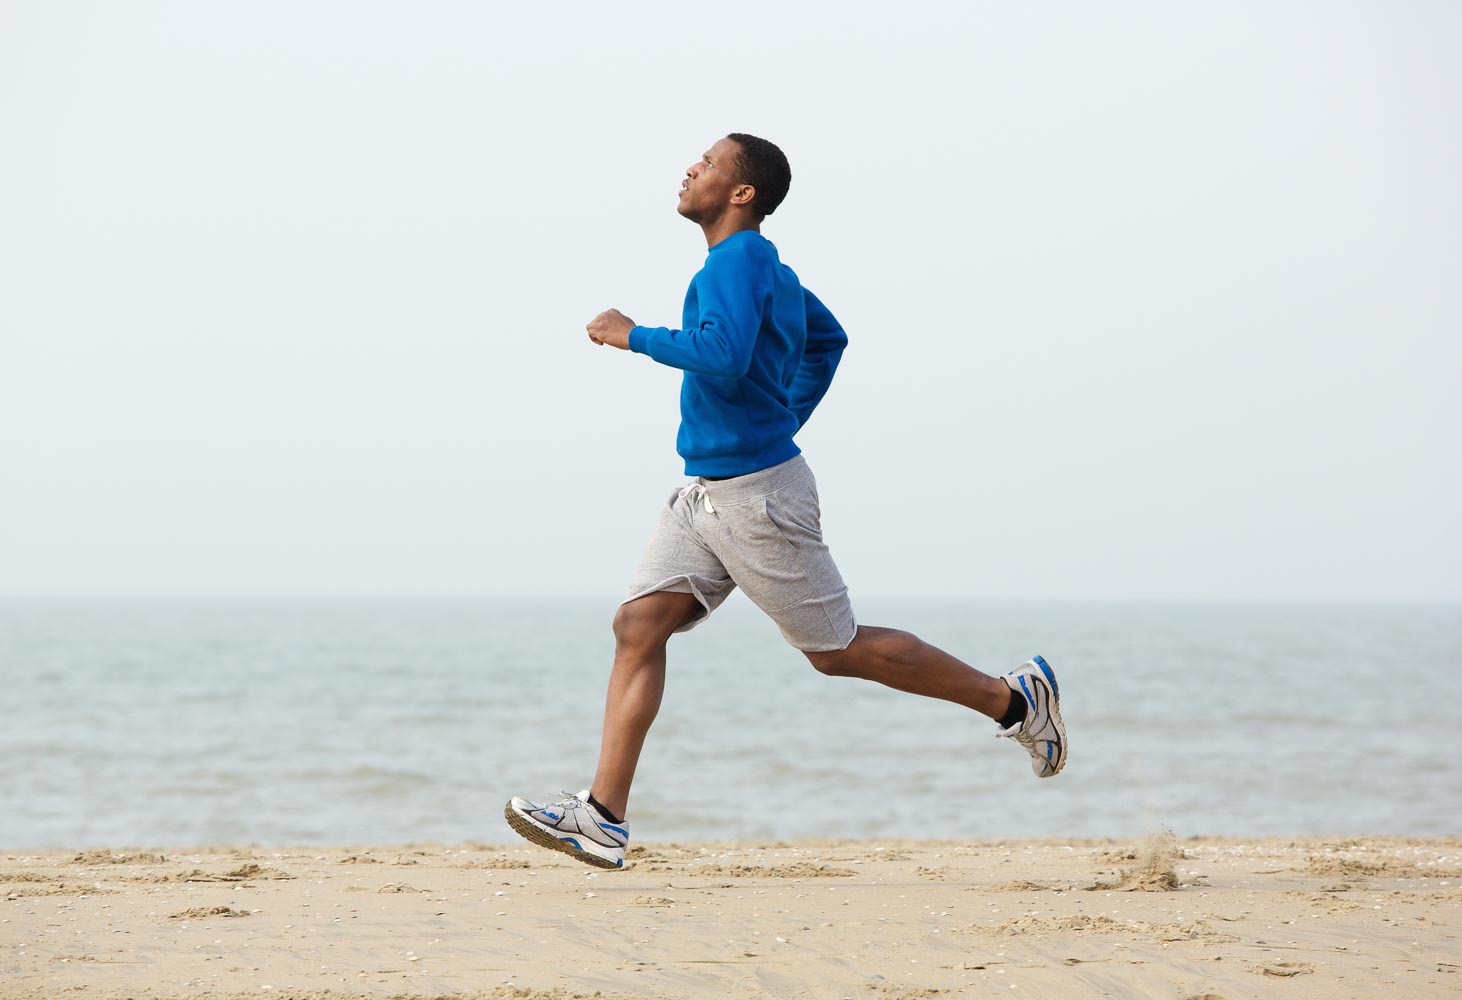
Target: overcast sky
1144,300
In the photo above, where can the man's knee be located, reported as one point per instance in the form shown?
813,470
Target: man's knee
648,622
832,662
636,629
870,646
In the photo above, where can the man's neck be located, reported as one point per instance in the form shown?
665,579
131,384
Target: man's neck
727,226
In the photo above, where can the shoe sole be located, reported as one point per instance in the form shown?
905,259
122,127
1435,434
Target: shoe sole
1053,711
528,830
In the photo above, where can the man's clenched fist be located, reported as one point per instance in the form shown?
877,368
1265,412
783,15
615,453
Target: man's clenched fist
611,327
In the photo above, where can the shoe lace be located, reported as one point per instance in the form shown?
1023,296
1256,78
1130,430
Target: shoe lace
1018,733
690,493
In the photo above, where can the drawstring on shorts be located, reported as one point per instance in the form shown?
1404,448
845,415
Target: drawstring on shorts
690,491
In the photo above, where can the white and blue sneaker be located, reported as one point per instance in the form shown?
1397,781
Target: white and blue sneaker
573,826
1042,732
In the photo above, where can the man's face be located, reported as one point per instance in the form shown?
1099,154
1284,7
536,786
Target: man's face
706,191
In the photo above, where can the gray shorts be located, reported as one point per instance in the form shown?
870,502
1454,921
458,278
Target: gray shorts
760,532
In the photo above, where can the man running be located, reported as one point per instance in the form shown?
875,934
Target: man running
758,352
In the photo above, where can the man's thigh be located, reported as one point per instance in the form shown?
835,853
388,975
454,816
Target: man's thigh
677,560
772,546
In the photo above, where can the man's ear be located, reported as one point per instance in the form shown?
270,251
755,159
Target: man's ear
742,194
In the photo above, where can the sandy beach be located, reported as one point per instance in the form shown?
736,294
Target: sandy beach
895,920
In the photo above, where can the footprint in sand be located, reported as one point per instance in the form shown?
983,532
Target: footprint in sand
1283,969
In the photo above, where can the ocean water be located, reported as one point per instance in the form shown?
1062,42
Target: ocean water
311,722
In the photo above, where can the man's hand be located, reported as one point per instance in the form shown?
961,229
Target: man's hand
611,327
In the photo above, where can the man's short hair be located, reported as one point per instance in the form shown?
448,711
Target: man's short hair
762,165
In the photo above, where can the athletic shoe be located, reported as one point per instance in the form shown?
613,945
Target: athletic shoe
573,826
1042,732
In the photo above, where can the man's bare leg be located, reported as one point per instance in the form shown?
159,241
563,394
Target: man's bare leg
907,663
641,629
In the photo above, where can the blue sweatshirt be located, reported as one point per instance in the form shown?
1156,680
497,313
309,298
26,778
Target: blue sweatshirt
758,351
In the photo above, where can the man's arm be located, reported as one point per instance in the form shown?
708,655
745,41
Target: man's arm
731,293
825,343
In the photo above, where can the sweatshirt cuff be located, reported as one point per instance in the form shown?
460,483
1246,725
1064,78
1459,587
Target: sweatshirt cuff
637,340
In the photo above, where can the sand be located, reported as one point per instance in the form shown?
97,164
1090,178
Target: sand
1200,918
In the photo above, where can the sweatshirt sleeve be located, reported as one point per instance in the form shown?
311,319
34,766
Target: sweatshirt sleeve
731,291
825,343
